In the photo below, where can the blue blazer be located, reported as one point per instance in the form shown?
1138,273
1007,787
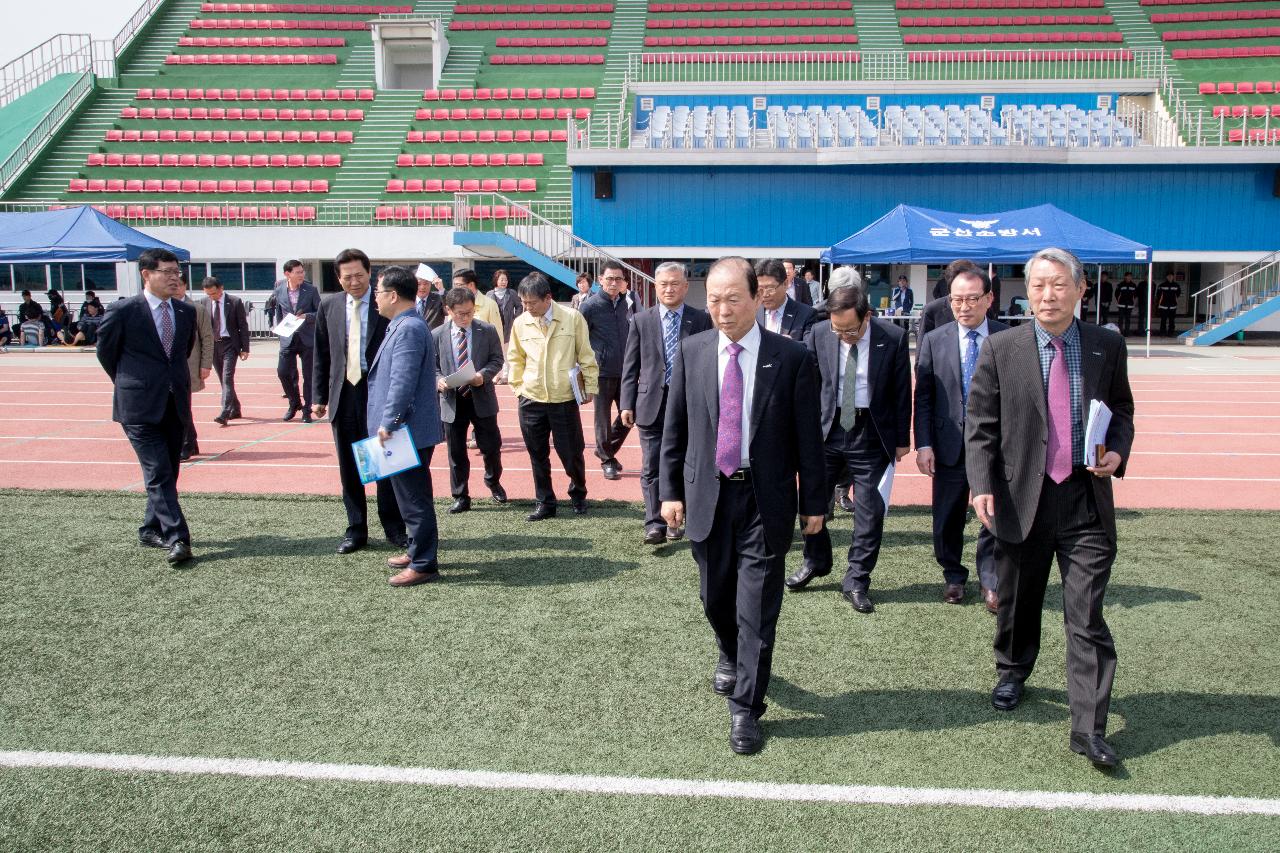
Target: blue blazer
402,382
129,349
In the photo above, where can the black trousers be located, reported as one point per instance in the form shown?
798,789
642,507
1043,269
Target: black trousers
190,441
950,514
158,447
741,589
1168,320
287,370
224,364
540,424
854,456
1067,527
413,496
1125,316
610,432
650,455
349,425
488,439
1104,313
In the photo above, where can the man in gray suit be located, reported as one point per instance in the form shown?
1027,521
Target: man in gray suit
230,341
402,393
1026,457
199,365
945,361
299,297
465,339
778,312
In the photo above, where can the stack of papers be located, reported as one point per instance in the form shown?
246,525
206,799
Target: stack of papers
290,324
1095,431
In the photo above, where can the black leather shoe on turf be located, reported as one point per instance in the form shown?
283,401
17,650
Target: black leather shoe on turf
655,536
460,505
724,679
499,495
745,736
350,544
1006,695
802,577
179,552
859,600
151,539
579,507
1094,748
541,511
846,502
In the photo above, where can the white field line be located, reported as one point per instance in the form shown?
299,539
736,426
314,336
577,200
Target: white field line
643,787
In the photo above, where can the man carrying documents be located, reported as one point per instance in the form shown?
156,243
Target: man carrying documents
404,422
469,355
1043,488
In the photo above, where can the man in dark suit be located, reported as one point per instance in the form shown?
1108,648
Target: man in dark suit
199,365
741,424
945,361
402,394
349,331
938,310
1026,457
299,297
795,287
902,300
608,317
866,419
461,340
429,303
143,345
778,312
230,341
646,374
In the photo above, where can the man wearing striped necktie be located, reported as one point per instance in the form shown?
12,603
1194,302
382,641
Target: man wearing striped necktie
1034,489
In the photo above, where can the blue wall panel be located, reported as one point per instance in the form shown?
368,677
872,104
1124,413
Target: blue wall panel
1172,208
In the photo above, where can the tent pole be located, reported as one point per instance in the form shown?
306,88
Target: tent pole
1097,296
1150,266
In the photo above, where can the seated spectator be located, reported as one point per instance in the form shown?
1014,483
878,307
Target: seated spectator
91,298
6,330
85,332
32,331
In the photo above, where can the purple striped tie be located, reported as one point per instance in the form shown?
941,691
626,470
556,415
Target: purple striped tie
1058,449
729,430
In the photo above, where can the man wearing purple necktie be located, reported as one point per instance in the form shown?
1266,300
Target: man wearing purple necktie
1034,490
742,424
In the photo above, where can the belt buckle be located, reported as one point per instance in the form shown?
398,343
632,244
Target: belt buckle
738,476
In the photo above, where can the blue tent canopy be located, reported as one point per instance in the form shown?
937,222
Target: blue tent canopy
73,234
923,236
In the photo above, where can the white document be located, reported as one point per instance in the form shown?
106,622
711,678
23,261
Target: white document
377,461
886,487
576,383
1095,431
290,324
462,376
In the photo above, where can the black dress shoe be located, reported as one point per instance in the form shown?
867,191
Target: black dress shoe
221,420
1007,695
351,544
499,494
846,502
462,504
541,511
151,539
724,679
655,536
184,456
306,416
179,552
399,540
745,736
803,575
610,471
579,507
1094,748
289,415
860,601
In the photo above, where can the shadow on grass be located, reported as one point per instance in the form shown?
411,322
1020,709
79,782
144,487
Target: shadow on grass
1154,721
534,571
1118,594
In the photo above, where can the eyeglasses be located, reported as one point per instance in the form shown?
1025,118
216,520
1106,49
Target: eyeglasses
971,301
168,273
850,335
617,278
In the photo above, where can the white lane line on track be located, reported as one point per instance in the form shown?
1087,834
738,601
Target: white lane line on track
635,786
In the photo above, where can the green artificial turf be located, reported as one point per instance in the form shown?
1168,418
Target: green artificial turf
569,647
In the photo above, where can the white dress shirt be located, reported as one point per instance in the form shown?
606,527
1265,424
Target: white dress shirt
862,390
155,302
964,340
750,344
363,313
221,302
773,319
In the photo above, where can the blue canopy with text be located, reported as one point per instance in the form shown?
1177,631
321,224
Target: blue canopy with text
73,234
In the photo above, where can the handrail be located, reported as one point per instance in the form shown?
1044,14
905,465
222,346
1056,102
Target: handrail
134,25
1221,283
1235,290
63,54
29,149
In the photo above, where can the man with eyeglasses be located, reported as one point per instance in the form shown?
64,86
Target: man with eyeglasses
143,345
866,421
779,313
945,361
608,317
349,331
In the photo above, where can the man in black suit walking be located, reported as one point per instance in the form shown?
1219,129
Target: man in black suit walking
646,374
1026,457
741,424
794,286
945,361
866,418
429,304
608,317
778,312
461,340
143,345
230,341
299,297
349,331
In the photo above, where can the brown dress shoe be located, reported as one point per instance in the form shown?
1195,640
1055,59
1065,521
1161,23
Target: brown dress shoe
409,577
400,561
954,593
990,598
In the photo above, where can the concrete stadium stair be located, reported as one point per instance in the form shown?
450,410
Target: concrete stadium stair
370,160
157,40
876,22
64,158
626,37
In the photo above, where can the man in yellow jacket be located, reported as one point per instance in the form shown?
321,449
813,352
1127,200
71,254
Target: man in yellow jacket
549,351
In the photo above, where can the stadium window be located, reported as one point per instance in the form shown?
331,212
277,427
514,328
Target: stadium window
100,277
6,277
230,275
195,272
30,277
66,276
259,276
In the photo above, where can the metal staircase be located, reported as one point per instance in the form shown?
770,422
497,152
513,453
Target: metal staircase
1235,303
625,38
371,158
64,159
159,39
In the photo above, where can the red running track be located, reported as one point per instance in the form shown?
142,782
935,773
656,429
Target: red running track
1203,441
